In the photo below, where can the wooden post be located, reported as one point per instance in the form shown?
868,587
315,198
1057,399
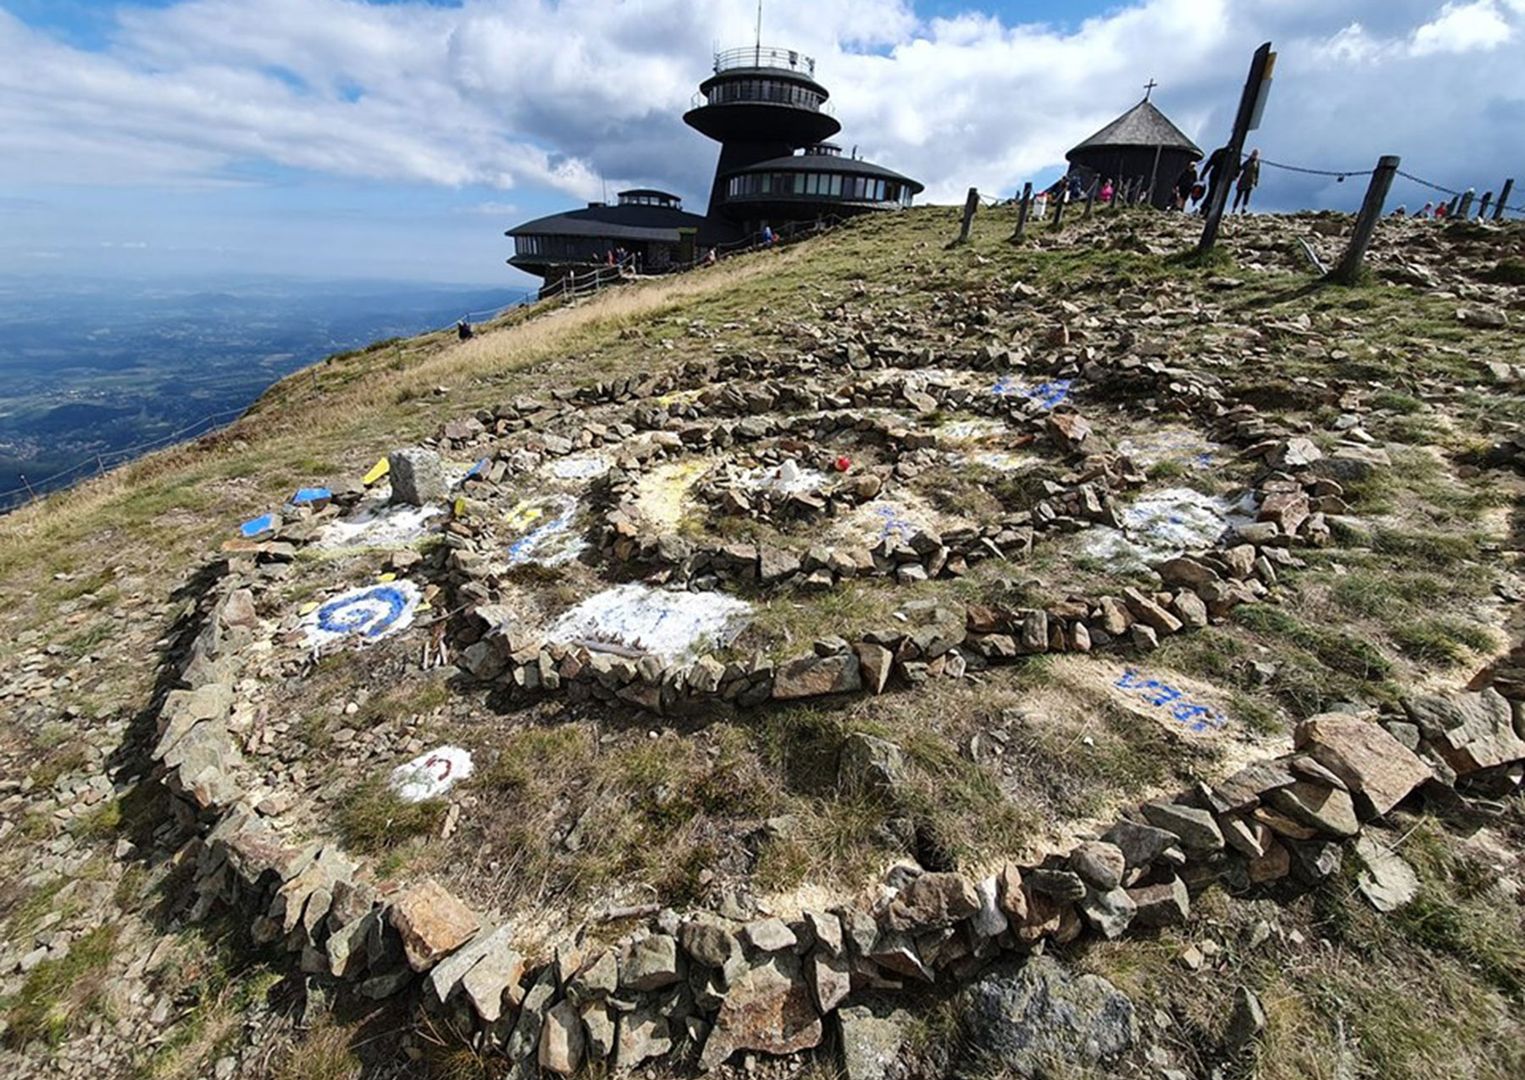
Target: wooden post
1452,207
1465,210
971,203
1508,190
1349,269
1228,168
1091,200
1482,209
1023,211
1059,209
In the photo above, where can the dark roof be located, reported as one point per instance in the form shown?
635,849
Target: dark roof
652,223
829,163
651,191
1142,125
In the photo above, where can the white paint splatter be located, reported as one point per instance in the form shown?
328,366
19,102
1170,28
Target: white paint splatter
786,479
1161,524
579,466
375,524
431,775
669,625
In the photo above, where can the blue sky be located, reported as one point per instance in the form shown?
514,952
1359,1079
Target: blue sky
336,138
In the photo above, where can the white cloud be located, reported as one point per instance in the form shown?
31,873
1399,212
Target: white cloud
1460,28
525,94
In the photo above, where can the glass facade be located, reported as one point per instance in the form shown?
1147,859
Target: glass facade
630,198
818,185
769,91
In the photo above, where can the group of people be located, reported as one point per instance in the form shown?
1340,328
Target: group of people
625,260
1193,192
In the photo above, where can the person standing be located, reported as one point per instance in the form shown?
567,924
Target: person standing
1249,176
1186,183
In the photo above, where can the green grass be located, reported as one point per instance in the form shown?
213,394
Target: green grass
1442,640
58,994
1340,652
371,818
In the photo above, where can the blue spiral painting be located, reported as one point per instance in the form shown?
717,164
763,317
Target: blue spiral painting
369,613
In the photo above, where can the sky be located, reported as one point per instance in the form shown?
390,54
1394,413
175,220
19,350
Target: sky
399,138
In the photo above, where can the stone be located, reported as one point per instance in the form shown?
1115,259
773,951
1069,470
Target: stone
1330,810
1108,912
1189,608
933,901
870,764
432,923
524,1040
561,1039
1197,829
830,979
1069,430
446,977
768,1009
710,944
990,921
1165,904
598,1029
1059,885
769,935
641,1035
1469,731
1245,788
1010,895
874,665
1140,844
600,978
1364,756
496,974
1100,864
1385,879
872,1041
1296,453
1032,1017
650,963
1248,1018
417,476
826,929
816,676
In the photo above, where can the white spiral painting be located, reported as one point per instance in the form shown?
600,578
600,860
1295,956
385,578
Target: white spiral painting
365,614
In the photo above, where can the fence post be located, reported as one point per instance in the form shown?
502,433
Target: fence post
1482,208
1059,202
1508,190
1349,269
971,203
1452,207
1091,199
1256,85
1023,211
1466,204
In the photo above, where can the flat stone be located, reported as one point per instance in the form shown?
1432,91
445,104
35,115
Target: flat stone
830,979
768,1009
1140,844
1245,788
1196,828
1318,806
598,1027
432,923
642,1035
447,974
561,1039
496,973
1469,731
816,676
769,935
1385,879
1365,756
1165,904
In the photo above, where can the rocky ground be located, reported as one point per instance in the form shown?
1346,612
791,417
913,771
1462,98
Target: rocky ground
875,657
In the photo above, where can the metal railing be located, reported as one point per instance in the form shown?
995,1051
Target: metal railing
764,56
716,97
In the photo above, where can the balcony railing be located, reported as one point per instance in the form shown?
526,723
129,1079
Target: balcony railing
730,97
764,56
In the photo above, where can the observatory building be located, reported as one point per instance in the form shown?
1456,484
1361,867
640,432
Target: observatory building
771,119
1141,145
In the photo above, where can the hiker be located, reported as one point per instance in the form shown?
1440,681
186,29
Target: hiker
1214,173
710,258
1107,191
767,236
463,330
1186,185
1249,176
1427,210
1402,211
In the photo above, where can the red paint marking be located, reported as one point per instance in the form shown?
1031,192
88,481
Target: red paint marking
434,760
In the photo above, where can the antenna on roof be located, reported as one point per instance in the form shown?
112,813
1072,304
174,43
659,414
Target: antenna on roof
1149,87
758,60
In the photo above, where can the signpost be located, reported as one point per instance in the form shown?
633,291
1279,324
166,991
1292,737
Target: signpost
1252,104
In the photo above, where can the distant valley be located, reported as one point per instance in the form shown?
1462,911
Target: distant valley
95,373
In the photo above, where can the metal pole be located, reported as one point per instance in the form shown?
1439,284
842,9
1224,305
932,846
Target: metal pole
1026,208
1498,211
1228,168
1349,269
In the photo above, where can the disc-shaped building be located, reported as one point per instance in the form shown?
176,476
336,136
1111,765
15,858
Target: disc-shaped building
1141,146
776,169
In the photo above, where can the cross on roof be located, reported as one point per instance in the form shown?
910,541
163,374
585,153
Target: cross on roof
1149,88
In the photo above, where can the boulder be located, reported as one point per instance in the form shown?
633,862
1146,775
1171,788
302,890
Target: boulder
869,763
1469,731
1029,1018
872,1040
1099,864
768,1009
417,476
432,923
1364,756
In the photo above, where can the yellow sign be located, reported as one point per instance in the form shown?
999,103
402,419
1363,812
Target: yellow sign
378,470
